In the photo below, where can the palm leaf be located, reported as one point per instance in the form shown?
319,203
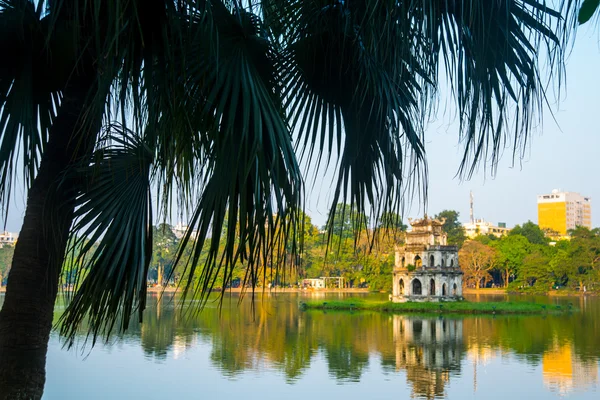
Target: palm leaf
115,212
251,181
28,99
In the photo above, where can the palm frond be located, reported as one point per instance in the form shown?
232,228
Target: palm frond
28,100
251,181
115,212
492,52
353,86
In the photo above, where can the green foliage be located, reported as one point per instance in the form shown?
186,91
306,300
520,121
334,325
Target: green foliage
453,227
6,255
164,245
458,307
531,231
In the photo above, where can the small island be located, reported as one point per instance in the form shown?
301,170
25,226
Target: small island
455,307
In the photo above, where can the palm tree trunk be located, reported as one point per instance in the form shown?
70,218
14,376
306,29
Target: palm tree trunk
27,314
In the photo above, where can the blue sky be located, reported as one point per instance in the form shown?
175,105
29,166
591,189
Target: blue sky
559,156
563,156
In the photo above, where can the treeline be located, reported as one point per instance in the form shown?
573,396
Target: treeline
348,248
527,261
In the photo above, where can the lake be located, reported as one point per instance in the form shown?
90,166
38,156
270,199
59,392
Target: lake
274,349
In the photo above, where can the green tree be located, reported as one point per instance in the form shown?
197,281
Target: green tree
453,227
6,255
512,250
101,101
165,245
585,257
531,231
536,270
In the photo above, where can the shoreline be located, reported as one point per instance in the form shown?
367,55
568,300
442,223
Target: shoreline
264,290
466,291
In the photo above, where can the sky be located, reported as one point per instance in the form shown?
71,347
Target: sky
562,154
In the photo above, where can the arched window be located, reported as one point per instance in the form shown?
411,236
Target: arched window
452,262
432,287
401,284
403,262
443,262
431,261
418,262
454,289
444,290
416,287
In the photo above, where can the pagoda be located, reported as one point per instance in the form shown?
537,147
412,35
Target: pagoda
426,267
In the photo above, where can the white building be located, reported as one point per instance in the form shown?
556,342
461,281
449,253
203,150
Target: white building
179,231
8,238
426,268
481,227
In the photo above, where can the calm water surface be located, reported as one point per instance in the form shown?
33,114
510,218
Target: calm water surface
282,351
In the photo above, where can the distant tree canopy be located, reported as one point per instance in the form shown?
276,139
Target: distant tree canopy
531,231
452,227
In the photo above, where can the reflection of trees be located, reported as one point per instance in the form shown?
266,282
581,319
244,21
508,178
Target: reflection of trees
428,349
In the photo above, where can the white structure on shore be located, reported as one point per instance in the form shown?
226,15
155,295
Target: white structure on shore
8,238
426,268
481,227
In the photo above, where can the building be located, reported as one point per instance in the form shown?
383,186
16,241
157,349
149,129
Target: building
561,211
426,268
480,227
179,231
477,227
8,238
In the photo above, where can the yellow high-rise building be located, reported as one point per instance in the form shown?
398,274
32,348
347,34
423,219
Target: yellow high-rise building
562,211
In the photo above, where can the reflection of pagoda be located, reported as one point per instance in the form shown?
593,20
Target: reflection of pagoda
564,371
428,349
426,268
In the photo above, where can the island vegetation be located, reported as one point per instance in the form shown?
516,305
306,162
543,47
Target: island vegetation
452,307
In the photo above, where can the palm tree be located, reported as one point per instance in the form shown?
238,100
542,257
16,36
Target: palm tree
105,105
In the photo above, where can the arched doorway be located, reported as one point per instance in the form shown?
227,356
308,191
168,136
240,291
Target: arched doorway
454,289
401,285
431,261
418,262
444,290
417,290
432,287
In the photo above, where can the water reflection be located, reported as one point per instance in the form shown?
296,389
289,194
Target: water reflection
429,353
429,350
564,371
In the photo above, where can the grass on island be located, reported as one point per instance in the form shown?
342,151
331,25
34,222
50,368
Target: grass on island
457,307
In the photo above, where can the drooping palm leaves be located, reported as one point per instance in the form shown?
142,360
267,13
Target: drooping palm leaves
231,95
